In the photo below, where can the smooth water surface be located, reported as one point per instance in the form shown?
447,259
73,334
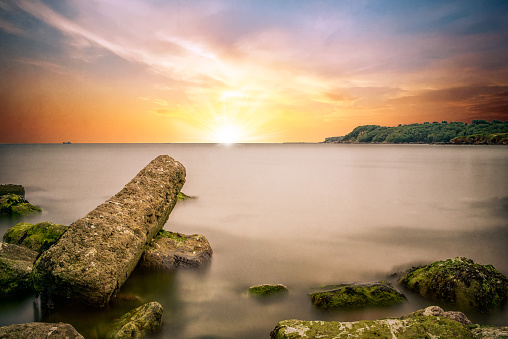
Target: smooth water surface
301,215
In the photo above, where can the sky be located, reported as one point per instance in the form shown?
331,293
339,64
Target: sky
160,71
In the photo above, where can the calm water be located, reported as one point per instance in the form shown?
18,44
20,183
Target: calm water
300,215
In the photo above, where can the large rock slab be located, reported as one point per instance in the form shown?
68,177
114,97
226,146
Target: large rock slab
38,237
99,251
422,325
356,295
40,330
460,281
138,323
169,250
15,270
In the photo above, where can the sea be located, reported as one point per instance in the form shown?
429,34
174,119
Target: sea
301,215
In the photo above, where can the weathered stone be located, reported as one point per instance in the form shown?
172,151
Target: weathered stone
407,327
437,311
12,189
36,237
356,295
169,250
490,332
139,322
267,290
460,281
13,204
98,252
15,270
40,330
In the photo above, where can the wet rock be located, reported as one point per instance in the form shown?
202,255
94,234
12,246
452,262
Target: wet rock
460,281
12,189
98,252
356,295
267,290
38,237
169,250
490,332
15,270
410,326
139,322
437,311
16,205
40,330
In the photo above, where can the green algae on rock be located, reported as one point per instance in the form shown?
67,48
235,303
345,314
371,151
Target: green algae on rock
417,326
38,237
356,295
459,281
40,330
182,196
139,322
267,290
15,270
13,204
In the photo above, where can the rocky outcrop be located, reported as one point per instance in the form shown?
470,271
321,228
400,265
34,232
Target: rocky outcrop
356,295
40,330
411,326
490,332
169,250
437,311
12,189
15,270
459,281
13,204
267,290
38,237
139,322
98,252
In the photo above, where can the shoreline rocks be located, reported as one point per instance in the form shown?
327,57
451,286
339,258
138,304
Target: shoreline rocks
7,189
141,321
267,290
38,237
92,260
13,204
15,270
40,330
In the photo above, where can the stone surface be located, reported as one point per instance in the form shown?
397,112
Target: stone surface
12,189
13,204
356,295
460,281
490,332
15,270
267,290
437,311
40,330
36,237
169,250
410,327
98,252
139,322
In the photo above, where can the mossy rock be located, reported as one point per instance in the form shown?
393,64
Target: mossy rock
182,196
16,264
356,296
489,332
38,237
13,204
460,281
267,290
139,322
421,326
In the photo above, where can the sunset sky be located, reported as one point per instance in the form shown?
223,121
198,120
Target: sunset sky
246,71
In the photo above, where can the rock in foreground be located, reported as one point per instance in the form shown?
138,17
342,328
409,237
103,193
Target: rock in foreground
139,322
36,237
169,250
40,330
267,290
98,252
460,281
415,326
15,270
356,295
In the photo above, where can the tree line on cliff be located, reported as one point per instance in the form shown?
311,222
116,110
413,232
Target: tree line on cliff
435,132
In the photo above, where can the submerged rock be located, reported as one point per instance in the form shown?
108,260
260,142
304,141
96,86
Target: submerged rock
459,281
36,237
40,330
410,326
169,250
139,322
13,204
15,270
267,290
356,295
96,255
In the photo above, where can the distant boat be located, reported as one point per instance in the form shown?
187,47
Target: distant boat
66,142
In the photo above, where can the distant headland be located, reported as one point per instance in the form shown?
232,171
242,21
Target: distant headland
478,132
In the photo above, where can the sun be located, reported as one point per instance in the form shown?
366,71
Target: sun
228,135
